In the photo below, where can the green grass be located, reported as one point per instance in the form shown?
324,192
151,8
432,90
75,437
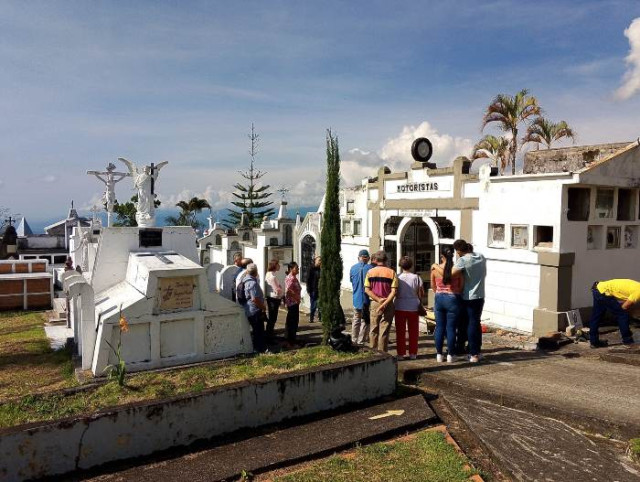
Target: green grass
27,363
634,448
155,385
425,457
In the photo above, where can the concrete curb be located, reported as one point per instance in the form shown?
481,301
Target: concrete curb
50,448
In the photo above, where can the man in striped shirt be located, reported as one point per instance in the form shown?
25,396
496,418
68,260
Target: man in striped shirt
381,285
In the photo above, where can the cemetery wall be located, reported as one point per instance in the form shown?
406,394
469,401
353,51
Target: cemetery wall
134,430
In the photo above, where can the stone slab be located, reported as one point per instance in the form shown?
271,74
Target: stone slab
58,335
284,447
586,392
535,448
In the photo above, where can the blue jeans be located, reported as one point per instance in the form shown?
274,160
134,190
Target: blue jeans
447,310
313,297
602,304
257,332
469,326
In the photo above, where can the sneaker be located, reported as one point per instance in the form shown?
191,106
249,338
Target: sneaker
439,358
450,359
600,344
413,357
474,358
405,357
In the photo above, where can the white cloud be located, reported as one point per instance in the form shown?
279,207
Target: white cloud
396,153
49,178
217,198
631,79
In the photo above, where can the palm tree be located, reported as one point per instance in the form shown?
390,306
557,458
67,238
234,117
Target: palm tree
188,212
494,148
543,131
509,112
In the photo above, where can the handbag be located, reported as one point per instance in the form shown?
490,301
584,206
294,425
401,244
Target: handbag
422,311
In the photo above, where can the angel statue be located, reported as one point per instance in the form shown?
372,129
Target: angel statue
144,181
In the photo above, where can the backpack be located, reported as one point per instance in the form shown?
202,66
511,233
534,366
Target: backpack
241,295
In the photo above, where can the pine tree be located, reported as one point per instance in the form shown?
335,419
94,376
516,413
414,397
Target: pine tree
253,197
330,241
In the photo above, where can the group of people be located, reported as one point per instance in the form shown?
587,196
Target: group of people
262,309
380,295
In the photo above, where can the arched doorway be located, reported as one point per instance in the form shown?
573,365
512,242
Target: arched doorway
307,252
417,243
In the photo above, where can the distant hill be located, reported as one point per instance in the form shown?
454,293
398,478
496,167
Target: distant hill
38,225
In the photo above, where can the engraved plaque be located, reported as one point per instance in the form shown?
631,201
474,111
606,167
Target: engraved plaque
176,293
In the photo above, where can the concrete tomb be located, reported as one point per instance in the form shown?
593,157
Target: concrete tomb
151,277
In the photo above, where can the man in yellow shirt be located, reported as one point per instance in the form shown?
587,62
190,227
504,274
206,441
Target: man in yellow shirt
619,296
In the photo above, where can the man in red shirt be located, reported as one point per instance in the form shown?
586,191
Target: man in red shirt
381,285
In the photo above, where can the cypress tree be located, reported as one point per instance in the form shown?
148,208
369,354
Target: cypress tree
330,240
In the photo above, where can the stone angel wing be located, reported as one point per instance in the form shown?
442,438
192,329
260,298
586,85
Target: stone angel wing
161,165
131,166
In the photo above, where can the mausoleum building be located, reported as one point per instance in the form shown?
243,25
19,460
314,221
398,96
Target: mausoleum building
574,218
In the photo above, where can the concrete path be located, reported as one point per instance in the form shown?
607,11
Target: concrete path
287,446
535,448
586,392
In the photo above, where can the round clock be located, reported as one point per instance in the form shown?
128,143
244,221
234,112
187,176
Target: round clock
422,149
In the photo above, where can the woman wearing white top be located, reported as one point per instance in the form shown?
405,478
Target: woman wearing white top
274,296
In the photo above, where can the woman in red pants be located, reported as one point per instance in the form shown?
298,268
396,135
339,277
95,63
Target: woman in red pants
407,303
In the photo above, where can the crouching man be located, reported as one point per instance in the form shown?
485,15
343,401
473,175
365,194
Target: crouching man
619,296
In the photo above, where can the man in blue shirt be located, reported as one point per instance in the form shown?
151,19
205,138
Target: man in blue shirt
473,266
255,307
358,273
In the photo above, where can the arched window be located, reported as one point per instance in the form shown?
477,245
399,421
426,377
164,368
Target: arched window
246,236
307,251
288,235
218,240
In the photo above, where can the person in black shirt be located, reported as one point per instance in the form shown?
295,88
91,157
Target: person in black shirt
313,283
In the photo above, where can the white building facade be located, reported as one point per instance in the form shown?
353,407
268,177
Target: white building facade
547,237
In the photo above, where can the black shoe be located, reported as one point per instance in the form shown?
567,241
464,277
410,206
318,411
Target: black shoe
600,344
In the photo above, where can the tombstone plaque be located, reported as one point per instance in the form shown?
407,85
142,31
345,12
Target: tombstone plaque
150,237
176,293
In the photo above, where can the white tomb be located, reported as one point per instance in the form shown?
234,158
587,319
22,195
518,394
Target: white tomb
152,278
162,292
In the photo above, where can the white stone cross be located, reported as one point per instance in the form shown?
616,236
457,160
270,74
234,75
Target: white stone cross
111,177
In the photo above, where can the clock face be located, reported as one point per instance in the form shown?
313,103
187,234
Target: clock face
422,150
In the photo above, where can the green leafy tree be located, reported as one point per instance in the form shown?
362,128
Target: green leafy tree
494,148
189,211
330,242
252,197
126,212
509,112
544,131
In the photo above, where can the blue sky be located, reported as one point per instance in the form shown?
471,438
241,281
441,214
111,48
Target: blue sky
83,83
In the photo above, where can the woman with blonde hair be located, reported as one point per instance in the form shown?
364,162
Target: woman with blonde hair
275,294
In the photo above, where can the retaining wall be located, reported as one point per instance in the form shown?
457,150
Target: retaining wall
51,448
